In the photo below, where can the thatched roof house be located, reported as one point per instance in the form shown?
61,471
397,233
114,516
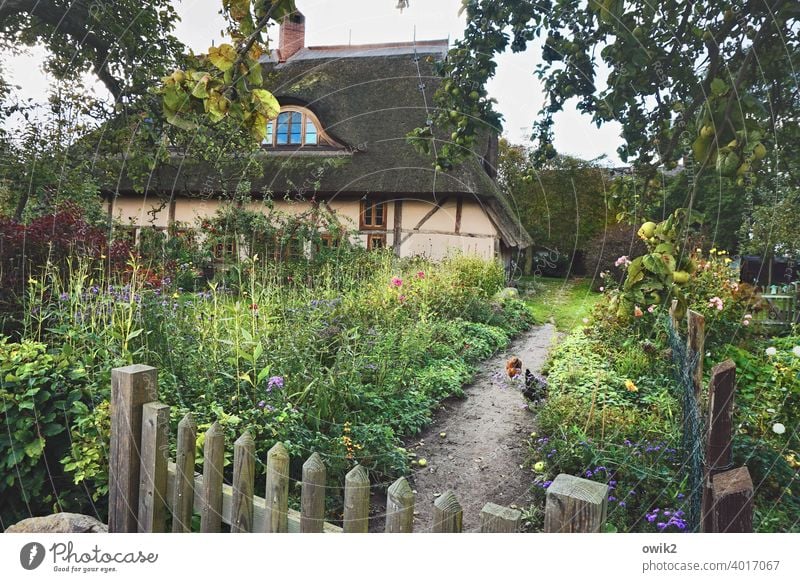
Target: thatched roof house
341,138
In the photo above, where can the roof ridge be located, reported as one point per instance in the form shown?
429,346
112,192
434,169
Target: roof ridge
399,44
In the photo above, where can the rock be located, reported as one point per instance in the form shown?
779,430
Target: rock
59,523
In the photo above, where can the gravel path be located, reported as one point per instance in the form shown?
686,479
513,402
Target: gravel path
480,455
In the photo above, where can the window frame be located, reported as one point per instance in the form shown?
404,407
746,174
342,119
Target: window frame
376,237
306,115
373,203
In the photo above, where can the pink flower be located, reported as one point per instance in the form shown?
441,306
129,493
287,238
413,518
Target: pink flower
637,312
602,289
421,275
402,298
715,302
651,309
623,261
397,281
746,322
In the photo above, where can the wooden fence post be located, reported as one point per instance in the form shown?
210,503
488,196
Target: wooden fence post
695,346
244,469
575,505
213,461
356,501
277,494
448,517
498,519
400,507
131,388
719,455
183,499
153,470
312,497
673,309
732,493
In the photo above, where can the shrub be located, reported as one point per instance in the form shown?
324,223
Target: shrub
38,391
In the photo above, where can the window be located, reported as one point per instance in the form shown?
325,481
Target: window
296,126
329,241
224,250
376,241
373,214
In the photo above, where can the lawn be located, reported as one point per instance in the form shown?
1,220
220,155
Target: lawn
564,302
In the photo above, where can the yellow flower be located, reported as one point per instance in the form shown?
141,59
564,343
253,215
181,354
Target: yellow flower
32,281
712,251
728,260
631,387
175,295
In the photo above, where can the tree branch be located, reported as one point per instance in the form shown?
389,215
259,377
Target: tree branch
72,22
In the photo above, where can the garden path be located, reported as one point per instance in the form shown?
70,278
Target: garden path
480,456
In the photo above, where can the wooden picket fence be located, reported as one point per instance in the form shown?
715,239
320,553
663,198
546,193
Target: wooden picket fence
146,487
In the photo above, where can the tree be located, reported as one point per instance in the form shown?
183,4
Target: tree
159,91
125,43
710,84
562,205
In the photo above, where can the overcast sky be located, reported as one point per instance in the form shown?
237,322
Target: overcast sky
517,91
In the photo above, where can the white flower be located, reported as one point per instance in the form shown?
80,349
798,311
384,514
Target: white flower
771,351
778,428
585,320
796,351
771,410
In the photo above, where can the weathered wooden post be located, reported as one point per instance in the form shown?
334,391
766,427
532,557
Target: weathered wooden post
312,497
213,461
575,505
244,470
448,517
183,497
277,494
153,468
400,507
498,519
131,388
356,501
732,493
695,346
719,456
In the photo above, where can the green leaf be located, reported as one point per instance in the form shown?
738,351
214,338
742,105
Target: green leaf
222,56
201,88
135,333
266,104
254,76
34,449
719,87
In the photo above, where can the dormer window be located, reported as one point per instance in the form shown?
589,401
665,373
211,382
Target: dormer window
296,126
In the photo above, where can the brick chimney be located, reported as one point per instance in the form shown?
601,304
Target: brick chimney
292,35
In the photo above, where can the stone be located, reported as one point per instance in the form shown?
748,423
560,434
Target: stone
59,523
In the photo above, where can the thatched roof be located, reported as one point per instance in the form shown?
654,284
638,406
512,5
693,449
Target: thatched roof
368,98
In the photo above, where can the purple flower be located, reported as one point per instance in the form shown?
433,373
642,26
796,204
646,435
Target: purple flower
661,525
274,382
622,504
680,496
612,498
589,474
546,484
262,404
64,296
